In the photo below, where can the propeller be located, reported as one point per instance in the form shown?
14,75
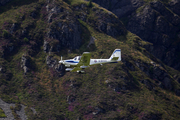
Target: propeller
61,61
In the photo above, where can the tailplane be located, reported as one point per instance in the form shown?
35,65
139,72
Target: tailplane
116,55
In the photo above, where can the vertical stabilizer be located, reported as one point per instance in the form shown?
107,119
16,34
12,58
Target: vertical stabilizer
116,54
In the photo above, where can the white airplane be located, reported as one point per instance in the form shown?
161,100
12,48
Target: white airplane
79,63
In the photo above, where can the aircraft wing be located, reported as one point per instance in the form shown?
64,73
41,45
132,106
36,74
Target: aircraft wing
85,59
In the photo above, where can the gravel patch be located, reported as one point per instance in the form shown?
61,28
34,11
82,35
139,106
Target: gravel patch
6,108
21,113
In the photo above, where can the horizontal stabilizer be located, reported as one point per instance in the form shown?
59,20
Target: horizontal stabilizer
115,58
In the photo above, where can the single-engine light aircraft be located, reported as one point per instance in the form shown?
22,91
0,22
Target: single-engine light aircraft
79,63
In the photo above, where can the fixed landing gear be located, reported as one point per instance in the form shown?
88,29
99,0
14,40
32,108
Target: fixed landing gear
81,72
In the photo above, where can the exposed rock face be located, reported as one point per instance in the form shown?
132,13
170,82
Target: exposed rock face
92,39
120,7
68,35
53,63
174,6
103,21
64,29
13,28
25,63
107,23
1,69
155,72
46,46
154,22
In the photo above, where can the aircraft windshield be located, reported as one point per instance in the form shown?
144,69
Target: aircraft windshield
75,58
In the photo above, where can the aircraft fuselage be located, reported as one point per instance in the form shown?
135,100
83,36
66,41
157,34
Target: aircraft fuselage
73,63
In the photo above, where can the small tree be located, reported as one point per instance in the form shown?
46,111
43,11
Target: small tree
26,40
5,34
90,3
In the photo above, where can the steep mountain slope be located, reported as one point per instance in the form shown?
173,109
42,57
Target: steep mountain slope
34,36
157,22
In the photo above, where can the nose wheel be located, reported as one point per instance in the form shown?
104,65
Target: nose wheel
81,71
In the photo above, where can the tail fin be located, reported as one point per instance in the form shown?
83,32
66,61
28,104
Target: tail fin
116,55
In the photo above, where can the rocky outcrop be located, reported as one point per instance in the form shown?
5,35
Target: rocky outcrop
13,27
21,113
6,108
53,63
64,29
2,69
8,112
120,7
155,22
157,25
101,20
25,63
174,6
68,35
154,71
91,42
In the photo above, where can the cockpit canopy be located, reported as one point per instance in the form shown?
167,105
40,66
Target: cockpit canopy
77,58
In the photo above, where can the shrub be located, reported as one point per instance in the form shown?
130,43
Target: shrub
5,34
26,40
90,3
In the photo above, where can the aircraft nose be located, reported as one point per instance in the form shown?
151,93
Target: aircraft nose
61,62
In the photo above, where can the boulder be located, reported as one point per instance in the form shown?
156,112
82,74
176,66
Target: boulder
71,99
25,63
120,8
53,63
46,46
13,28
50,61
2,69
97,110
92,39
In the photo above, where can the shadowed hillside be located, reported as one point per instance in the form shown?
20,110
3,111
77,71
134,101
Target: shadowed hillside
157,22
35,34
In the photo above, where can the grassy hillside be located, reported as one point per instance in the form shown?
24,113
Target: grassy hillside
129,89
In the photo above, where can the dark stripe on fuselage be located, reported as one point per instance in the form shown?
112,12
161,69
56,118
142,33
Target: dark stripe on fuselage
72,61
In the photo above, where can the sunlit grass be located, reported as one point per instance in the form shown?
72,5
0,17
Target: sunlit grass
2,114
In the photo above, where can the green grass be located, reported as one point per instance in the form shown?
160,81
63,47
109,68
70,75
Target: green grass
2,114
72,2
